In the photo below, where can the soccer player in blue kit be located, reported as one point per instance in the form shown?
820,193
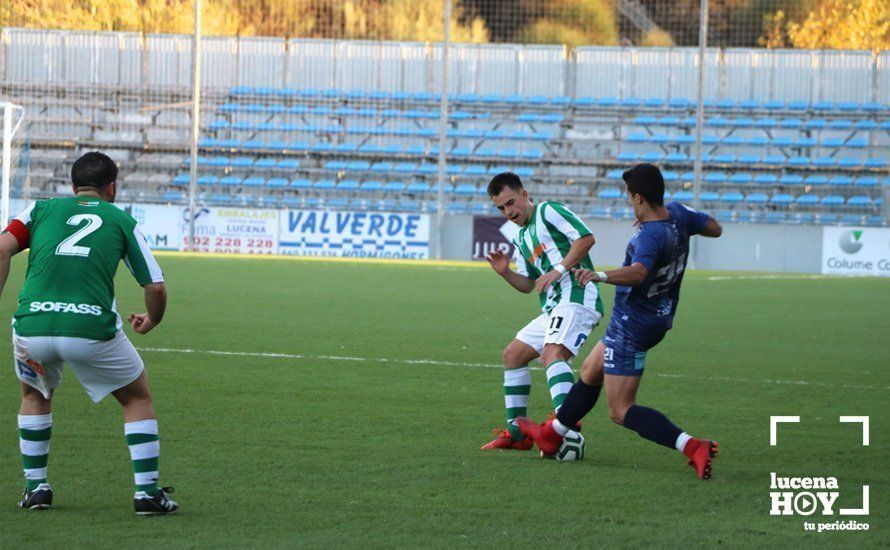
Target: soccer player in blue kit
646,297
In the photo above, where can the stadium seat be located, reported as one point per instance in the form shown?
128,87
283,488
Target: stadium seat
807,200
610,194
766,179
347,185
775,217
324,185
417,187
832,200
757,198
782,199
732,198
840,181
740,178
253,182
715,177
852,219
394,187
683,196
300,184
860,201
276,183
866,181
230,181
790,179
708,197
465,189
371,186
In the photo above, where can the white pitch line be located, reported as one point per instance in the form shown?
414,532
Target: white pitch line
774,277
485,365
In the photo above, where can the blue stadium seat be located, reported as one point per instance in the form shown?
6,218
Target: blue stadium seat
775,217
652,156
277,183
783,199
803,217
335,165
614,174
715,177
824,162
799,161
382,167
218,198
774,160
876,162
732,198
230,181
816,180
627,156
807,200
668,175
300,184
748,159
524,171
291,202
337,202
465,189
610,194
725,215
676,157
428,168
288,164
708,197
740,178
346,147
866,181
208,180
683,196
832,200
394,187
373,186
358,166
253,182
417,187
790,179
852,219
766,179
347,185
757,198
861,201
324,185
840,181
265,163
182,179
722,158
475,170
172,196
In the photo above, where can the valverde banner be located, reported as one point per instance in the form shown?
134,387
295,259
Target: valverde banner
856,251
354,234
492,233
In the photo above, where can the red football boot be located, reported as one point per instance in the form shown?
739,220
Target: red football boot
505,441
700,453
543,434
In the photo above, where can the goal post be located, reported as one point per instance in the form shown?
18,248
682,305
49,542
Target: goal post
12,117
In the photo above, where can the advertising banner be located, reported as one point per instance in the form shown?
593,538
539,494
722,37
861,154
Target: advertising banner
492,233
354,234
233,230
160,224
856,251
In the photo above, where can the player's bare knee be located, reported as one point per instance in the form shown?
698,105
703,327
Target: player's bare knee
618,411
555,352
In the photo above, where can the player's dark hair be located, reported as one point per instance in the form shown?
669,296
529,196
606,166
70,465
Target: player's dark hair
94,169
645,180
504,179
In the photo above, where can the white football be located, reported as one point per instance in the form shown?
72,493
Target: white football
572,447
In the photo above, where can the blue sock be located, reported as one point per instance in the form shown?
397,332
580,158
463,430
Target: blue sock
581,398
652,425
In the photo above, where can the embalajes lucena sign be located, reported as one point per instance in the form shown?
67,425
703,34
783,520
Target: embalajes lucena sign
856,251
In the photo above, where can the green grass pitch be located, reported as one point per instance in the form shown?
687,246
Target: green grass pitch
352,410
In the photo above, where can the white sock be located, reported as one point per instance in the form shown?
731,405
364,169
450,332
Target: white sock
559,428
682,440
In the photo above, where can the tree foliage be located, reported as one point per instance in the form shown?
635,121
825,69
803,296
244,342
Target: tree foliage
832,24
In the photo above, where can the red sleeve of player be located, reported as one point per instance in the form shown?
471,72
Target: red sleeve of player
20,231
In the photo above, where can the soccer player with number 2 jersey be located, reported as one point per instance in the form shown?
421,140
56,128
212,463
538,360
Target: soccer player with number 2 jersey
67,315
646,297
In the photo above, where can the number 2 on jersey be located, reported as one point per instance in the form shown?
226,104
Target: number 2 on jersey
69,246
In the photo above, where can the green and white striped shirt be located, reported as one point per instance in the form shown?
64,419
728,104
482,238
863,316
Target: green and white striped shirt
542,243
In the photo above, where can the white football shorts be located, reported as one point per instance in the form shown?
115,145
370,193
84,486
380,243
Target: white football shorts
567,324
102,366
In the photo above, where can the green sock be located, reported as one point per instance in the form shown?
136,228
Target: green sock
34,434
517,386
560,379
142,439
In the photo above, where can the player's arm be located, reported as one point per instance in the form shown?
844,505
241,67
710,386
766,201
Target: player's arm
632,275
9,247
148,273
155,295
579,249
500,262
712,229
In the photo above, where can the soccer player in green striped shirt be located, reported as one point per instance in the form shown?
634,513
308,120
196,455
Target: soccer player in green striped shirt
67,315
551,241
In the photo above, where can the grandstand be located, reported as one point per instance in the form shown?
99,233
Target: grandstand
789,136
